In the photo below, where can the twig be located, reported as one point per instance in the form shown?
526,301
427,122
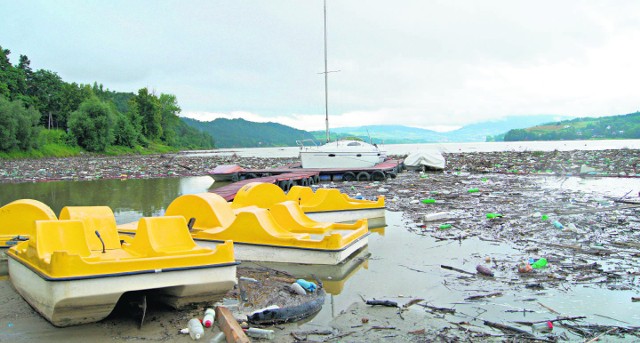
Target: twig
412,302
480,296
504,327
597,338
378,327
439,309
456,269
559,319
548,308
617,320
338,336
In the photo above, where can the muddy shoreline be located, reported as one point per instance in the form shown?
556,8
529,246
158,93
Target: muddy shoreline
595,242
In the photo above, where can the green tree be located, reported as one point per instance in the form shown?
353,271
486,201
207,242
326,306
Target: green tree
71,96
169,110
18,126
47,88
124,132
149,111
92,125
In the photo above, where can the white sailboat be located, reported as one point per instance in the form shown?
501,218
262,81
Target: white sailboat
341,153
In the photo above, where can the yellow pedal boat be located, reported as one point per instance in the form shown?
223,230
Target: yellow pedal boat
281,234
73,270
324,205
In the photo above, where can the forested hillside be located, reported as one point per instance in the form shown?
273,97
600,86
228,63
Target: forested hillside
613,127
233,133
40,112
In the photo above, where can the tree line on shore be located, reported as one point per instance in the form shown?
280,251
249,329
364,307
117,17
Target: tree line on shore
41,112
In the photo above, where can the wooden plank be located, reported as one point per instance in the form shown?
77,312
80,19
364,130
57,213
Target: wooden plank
228,324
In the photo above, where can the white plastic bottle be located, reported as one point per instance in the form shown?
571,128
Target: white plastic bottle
209,317
260,333
196,331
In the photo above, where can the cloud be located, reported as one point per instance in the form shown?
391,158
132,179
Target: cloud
418,63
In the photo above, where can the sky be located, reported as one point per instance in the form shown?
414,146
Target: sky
423,63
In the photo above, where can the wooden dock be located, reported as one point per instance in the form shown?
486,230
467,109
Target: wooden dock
284,181
289,176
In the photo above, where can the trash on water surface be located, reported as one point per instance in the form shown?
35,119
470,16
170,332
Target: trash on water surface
541,263
484,270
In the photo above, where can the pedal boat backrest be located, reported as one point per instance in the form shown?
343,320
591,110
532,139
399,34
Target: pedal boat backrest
209,210
164,236
259,194
18,218
59,236
300,194
95,218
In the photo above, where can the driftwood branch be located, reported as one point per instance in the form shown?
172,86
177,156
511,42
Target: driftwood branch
503,327
387,303
456,269
439,309
480,296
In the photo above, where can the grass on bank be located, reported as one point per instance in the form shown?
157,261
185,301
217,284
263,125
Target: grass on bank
54,143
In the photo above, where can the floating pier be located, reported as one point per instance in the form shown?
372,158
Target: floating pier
292,175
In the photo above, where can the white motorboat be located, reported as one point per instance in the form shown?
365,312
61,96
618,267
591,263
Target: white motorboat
341,154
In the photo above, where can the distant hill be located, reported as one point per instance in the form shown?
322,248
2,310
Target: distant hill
611,127
231,133
238,133
479,132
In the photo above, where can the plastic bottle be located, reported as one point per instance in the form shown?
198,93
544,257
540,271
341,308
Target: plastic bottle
436,216
218,338
260,333
444,226
493,215
309,286
542,327
196,331
473,190
209,317
558,225
298,289
428,201
541,263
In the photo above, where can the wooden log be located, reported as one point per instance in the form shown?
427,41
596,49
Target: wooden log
228,324
387,303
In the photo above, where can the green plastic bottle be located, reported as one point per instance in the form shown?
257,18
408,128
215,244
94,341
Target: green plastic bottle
428,201
444,226
493,215
541,263
473,190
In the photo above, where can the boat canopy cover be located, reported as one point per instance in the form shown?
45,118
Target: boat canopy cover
429,159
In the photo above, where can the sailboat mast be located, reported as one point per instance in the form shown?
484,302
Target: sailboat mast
326,75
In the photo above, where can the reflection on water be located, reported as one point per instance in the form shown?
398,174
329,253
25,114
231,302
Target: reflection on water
129,199
402,265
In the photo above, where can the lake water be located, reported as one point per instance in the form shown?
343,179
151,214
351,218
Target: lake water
397,264
405,149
